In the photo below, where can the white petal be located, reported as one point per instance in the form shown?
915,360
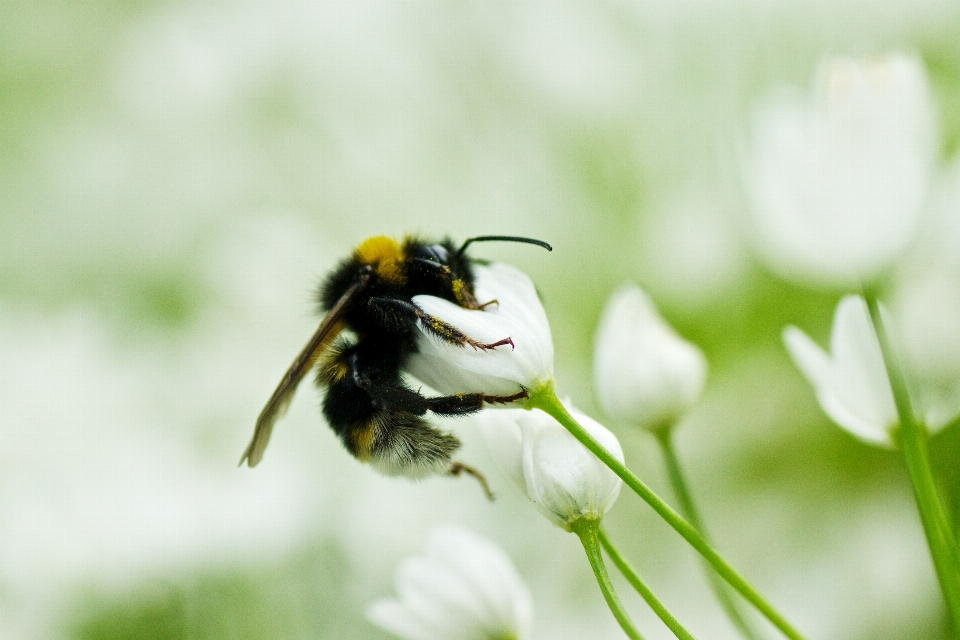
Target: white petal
400,621
501,433
860,376
608,490
500,371
464,588
501,362
439,597
564,479
808,356
550,475
835,407
434,366
502,597
516,295
939,405
929,316
851,384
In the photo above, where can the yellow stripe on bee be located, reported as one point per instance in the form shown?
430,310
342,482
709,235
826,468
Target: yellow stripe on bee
384,254
361,439
333,370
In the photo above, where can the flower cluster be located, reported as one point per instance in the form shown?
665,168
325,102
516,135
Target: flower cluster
564,480
836,182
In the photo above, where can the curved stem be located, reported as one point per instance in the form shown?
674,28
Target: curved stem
587,531
634,579
546,400
913,441
689,510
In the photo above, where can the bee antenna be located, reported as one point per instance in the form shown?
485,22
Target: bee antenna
539,243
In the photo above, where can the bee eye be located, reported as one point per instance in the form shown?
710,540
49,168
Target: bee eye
439,253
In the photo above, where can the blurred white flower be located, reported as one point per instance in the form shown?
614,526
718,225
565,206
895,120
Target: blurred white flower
564,480
518,315
851,382
836,182
644,372
463,588
927,310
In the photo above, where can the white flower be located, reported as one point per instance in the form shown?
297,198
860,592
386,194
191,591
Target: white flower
851,382
928,311
518,315
564,480
463,588
644,372
926,302
837,181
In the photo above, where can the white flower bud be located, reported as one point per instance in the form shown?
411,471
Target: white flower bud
463,588
644,372
517,315
564,480
837,180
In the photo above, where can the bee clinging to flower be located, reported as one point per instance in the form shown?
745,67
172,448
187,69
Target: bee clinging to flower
377,416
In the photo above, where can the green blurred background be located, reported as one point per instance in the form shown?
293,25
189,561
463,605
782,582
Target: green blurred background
176,178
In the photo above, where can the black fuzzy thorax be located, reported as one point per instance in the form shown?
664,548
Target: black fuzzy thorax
419,278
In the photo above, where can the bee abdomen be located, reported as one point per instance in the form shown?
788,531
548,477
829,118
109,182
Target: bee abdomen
401,444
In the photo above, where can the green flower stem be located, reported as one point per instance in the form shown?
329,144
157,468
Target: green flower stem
913,441
546,400
587,530
634,579
689,510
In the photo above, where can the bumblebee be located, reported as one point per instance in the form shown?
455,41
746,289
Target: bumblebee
377,416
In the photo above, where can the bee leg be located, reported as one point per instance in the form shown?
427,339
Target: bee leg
400,312
397,397
463,403
394,397
519,395
458,467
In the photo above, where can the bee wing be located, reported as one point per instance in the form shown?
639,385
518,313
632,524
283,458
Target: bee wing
329,328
